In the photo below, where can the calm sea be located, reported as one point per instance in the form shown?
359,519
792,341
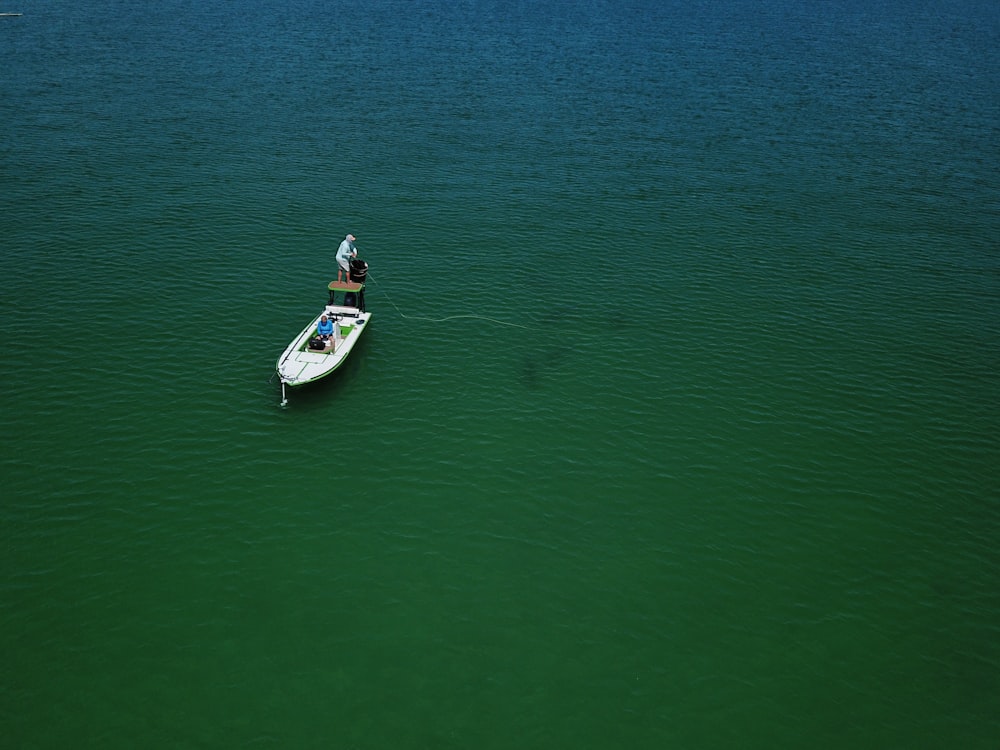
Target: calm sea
676,425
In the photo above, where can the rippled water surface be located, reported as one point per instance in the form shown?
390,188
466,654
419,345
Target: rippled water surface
675,425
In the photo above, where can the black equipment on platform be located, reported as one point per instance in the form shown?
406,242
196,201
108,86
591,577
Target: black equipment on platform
359,270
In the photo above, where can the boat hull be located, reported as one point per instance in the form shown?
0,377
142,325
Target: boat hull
299,365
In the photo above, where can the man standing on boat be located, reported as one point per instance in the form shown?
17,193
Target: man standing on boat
345,252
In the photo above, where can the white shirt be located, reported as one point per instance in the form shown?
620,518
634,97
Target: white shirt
345,251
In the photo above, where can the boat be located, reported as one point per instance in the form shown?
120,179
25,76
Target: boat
303,361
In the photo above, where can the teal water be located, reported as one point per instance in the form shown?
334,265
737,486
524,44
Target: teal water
729,479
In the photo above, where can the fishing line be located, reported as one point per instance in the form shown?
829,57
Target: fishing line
450,317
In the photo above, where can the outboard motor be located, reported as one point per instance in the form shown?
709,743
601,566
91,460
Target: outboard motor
359,270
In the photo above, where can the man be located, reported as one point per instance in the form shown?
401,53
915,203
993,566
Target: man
345,252
325,328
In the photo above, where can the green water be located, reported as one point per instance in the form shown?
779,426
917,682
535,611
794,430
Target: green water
675,424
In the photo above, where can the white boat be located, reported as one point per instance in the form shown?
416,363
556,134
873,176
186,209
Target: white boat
300,363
